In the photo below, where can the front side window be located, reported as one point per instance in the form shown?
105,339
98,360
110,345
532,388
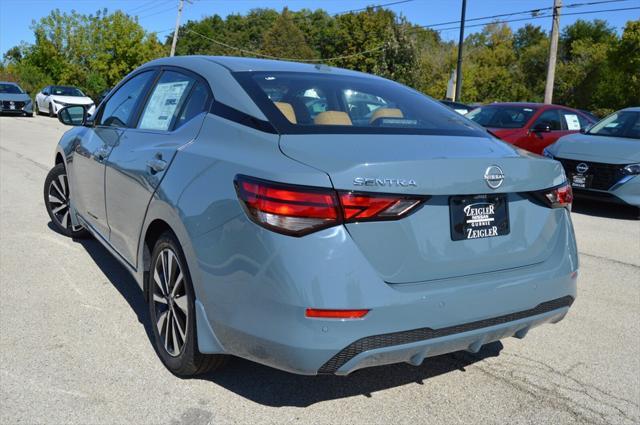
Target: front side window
550,117
621,124
306,102
501,116
572,121
120,107
10,89
166,100
66,91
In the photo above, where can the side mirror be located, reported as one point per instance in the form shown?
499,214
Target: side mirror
541,127
73,115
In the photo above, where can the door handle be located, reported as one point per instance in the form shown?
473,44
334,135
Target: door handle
156,165
101,154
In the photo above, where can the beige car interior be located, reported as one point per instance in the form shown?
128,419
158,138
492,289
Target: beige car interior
287,111
337,117
332,118
385,113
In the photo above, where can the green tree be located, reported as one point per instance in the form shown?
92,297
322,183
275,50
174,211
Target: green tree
491,72
93,52
285,40
528,36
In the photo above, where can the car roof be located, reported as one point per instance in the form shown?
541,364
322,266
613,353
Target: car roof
526,104
632,109
11,83
243,64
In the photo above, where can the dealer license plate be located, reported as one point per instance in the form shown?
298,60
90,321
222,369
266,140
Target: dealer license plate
478,216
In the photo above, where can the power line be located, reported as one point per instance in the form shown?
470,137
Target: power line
318,60
141,6
157,13
152,7
530,11
538,17
373,7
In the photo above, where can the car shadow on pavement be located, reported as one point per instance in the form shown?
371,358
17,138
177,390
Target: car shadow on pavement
120,278
605,210
276,388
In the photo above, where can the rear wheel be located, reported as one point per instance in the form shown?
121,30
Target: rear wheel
57,198
172,311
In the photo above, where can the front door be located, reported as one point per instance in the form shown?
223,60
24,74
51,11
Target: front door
86,175
536,141
171,117
94,148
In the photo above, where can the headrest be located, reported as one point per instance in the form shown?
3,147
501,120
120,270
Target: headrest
332,118
287,111
385,113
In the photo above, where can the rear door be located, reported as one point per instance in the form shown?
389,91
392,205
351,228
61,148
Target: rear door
170,117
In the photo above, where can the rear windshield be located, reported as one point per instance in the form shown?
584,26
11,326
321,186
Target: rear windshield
621,124
10,89
302,102
503,116
66,91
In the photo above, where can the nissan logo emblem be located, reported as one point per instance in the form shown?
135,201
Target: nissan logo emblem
494,176
582,168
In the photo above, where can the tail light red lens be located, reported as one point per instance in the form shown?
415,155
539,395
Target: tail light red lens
557,197
335,314
300,210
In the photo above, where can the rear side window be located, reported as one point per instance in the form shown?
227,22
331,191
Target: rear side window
196,103
503,116
120,107
165,101
550,117
320,103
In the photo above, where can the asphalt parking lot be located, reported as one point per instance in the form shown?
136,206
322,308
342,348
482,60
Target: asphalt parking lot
75,348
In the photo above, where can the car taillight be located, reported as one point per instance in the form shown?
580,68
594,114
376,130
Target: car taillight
300,210
363,207
556,197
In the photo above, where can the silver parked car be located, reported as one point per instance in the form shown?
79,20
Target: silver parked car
310,218
14,100
603,163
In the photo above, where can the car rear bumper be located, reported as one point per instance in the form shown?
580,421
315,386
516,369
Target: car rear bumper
255,302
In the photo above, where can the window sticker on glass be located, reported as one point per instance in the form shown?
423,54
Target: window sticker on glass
162,105
572,121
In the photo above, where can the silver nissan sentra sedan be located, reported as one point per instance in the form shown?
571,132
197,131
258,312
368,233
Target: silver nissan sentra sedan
310,218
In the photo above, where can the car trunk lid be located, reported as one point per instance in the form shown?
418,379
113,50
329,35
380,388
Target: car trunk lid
420,247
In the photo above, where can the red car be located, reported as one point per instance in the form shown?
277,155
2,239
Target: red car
531,126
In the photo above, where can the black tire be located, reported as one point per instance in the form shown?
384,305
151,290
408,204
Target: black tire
179,355
51,115
56,200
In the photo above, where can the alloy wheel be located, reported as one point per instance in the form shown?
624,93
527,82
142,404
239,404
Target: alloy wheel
58,197
170,302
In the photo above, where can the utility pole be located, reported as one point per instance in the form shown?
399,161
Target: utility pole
553,52
459,66
175,32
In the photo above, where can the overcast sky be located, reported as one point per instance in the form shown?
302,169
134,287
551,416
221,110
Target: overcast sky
160,15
